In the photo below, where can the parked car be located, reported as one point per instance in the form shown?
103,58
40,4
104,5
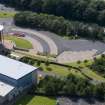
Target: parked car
18,34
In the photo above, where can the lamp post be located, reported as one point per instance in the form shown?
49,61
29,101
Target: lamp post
1,34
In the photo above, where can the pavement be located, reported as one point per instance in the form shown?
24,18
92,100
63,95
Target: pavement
49,41
74,56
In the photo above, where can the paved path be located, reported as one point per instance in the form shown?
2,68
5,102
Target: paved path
51,43
73,56
37,46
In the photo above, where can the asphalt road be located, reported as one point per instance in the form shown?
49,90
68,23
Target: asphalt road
62,45
79,101
6,9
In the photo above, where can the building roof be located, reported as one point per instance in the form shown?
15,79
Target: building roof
14,69
5,89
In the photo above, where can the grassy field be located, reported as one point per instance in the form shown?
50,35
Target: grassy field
59,70
36,100
87,71
7,14
21,43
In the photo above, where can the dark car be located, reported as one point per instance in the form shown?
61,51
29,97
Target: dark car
18,34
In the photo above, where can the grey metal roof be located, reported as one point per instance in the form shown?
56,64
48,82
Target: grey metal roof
14,69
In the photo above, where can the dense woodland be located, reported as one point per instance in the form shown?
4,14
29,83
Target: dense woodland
59,25
81,10
72,86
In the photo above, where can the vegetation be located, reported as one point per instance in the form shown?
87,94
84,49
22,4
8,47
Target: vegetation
59,25
82,10
20,42
51,68
80,70
71,85
7,14
99,65
86,70
35,100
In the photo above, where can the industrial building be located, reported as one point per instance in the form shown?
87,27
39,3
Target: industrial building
15,77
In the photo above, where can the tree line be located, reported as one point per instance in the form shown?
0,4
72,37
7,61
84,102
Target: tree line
59,25
71,86
81,10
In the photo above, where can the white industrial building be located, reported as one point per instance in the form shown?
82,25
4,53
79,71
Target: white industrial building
15,77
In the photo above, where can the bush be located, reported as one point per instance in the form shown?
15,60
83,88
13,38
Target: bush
31,62
78,62
85,61
47,63
49,68
103,55
38,63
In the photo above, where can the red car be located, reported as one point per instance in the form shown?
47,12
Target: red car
18,34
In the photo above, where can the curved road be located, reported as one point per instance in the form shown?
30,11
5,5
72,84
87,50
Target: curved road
49,41
37,46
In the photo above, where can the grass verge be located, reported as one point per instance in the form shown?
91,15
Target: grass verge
36,100
7,14
20,42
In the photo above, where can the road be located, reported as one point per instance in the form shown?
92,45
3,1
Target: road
78,101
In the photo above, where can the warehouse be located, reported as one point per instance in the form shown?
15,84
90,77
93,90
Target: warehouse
15,77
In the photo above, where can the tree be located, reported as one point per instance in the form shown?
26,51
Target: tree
101,17
59,25
100,91
36,5
90,14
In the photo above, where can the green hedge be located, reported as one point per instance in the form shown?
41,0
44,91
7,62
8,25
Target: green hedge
59,25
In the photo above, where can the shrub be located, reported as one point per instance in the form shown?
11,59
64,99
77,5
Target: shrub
85,61
103,55
49,68
31,62
38,63
78,62
47,63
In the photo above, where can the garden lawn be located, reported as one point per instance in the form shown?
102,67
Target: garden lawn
7,14
20,42
36,100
